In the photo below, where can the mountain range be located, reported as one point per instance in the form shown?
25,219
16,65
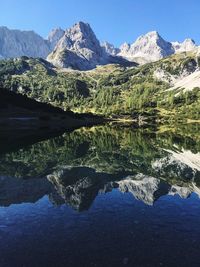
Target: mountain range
79,48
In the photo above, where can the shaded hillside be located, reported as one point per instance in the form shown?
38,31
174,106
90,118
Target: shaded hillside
9,98
22,113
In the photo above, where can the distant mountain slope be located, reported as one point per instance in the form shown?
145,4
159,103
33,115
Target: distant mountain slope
185,46
110,49
150,46
54,36
16,43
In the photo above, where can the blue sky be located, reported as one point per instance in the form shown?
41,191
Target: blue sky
113,20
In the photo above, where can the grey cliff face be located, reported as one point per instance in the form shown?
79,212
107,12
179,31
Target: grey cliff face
54,36
77,186
124,48
150,46
110,49
78,48
15,43
186,45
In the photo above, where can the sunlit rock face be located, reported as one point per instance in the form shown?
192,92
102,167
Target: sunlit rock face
186,45
124,48
110,49
54,36
150,47
16,43
78,48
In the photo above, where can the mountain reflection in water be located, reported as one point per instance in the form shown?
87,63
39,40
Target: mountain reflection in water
92,166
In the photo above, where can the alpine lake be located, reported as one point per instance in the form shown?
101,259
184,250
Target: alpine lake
107,195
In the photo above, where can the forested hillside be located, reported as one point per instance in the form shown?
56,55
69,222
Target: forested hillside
111,90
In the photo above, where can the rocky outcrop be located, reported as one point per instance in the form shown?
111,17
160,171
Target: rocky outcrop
80,49
79,186
16,43
183,192
124,48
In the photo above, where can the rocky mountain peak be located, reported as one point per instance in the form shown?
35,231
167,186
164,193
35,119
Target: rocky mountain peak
54,36
79,48
80,36
110,49
187,45
124,48
189,41
150,46
82,27
152,34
